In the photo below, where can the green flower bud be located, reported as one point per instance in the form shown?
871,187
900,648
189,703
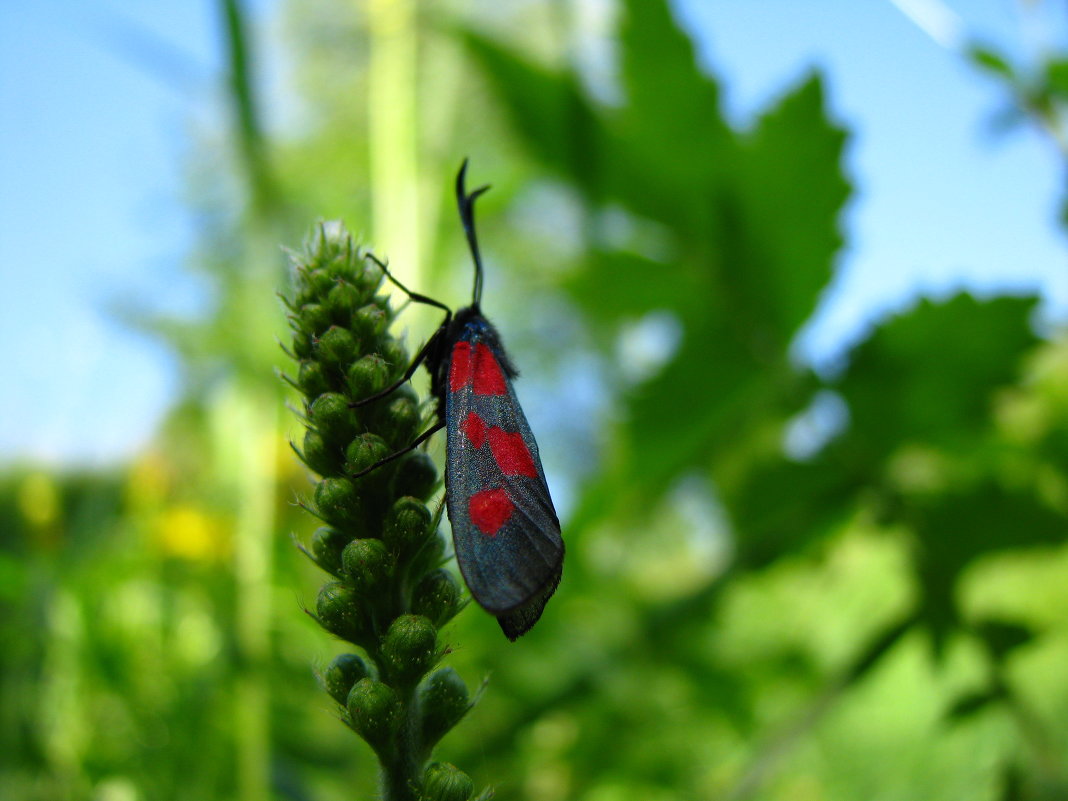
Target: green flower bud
343,673
337,347
302,345
405,391
364,451
332,417
400,421
305,294
410,647
312,379
367,376
445,782
339,612
416,475
407,527
437,597
395,356
342,301
344,271
326,547
313,319
338,503
321,280
319,456
368,565
370,322
443,701
368,276
375,713
370,279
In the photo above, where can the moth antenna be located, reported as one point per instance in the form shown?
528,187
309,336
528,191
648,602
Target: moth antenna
466,204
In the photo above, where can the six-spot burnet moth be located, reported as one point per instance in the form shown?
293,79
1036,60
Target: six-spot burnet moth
504,528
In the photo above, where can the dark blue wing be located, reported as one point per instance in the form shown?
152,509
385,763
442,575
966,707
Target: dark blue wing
505,529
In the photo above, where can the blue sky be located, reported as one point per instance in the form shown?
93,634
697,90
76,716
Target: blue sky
96,129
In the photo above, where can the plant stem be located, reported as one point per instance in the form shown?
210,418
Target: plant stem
402,774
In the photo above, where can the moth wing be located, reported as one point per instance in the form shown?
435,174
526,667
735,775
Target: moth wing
505,529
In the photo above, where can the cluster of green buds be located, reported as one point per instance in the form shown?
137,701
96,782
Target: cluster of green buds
389,594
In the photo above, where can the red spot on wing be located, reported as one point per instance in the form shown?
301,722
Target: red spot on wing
489,510
460,366
511,453
474,429
489,378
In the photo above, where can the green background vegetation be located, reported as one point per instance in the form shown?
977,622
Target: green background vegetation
876,611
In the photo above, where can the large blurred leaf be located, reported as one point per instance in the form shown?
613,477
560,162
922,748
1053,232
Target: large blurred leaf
955,528
676,139
1002,637
748,230
790,192
669,100
781,506
548,111
620,284
971,703
703,404
928,375
778,234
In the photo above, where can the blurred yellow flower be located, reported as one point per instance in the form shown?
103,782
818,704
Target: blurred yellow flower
187,532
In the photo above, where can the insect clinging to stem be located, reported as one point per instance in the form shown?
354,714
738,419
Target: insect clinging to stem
504,527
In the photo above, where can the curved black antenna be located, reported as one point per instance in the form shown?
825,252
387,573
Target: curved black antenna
466,204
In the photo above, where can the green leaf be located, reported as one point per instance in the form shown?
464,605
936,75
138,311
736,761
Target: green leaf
780,507
972,703
956,527
1003,637
751,224
696,407
777,241
782,237
670,101
658,155
548,111
928,374
992,62
677,141
616,285
1057,77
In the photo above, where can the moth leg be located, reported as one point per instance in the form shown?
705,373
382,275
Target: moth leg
415,296
426,349
419,359
415,444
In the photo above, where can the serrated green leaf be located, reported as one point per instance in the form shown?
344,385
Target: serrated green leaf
617,285
954,528
780,507
781,240
928,375
548,111
669,99
753,222
695,407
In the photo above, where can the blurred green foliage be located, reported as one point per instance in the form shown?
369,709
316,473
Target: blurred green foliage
780,584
